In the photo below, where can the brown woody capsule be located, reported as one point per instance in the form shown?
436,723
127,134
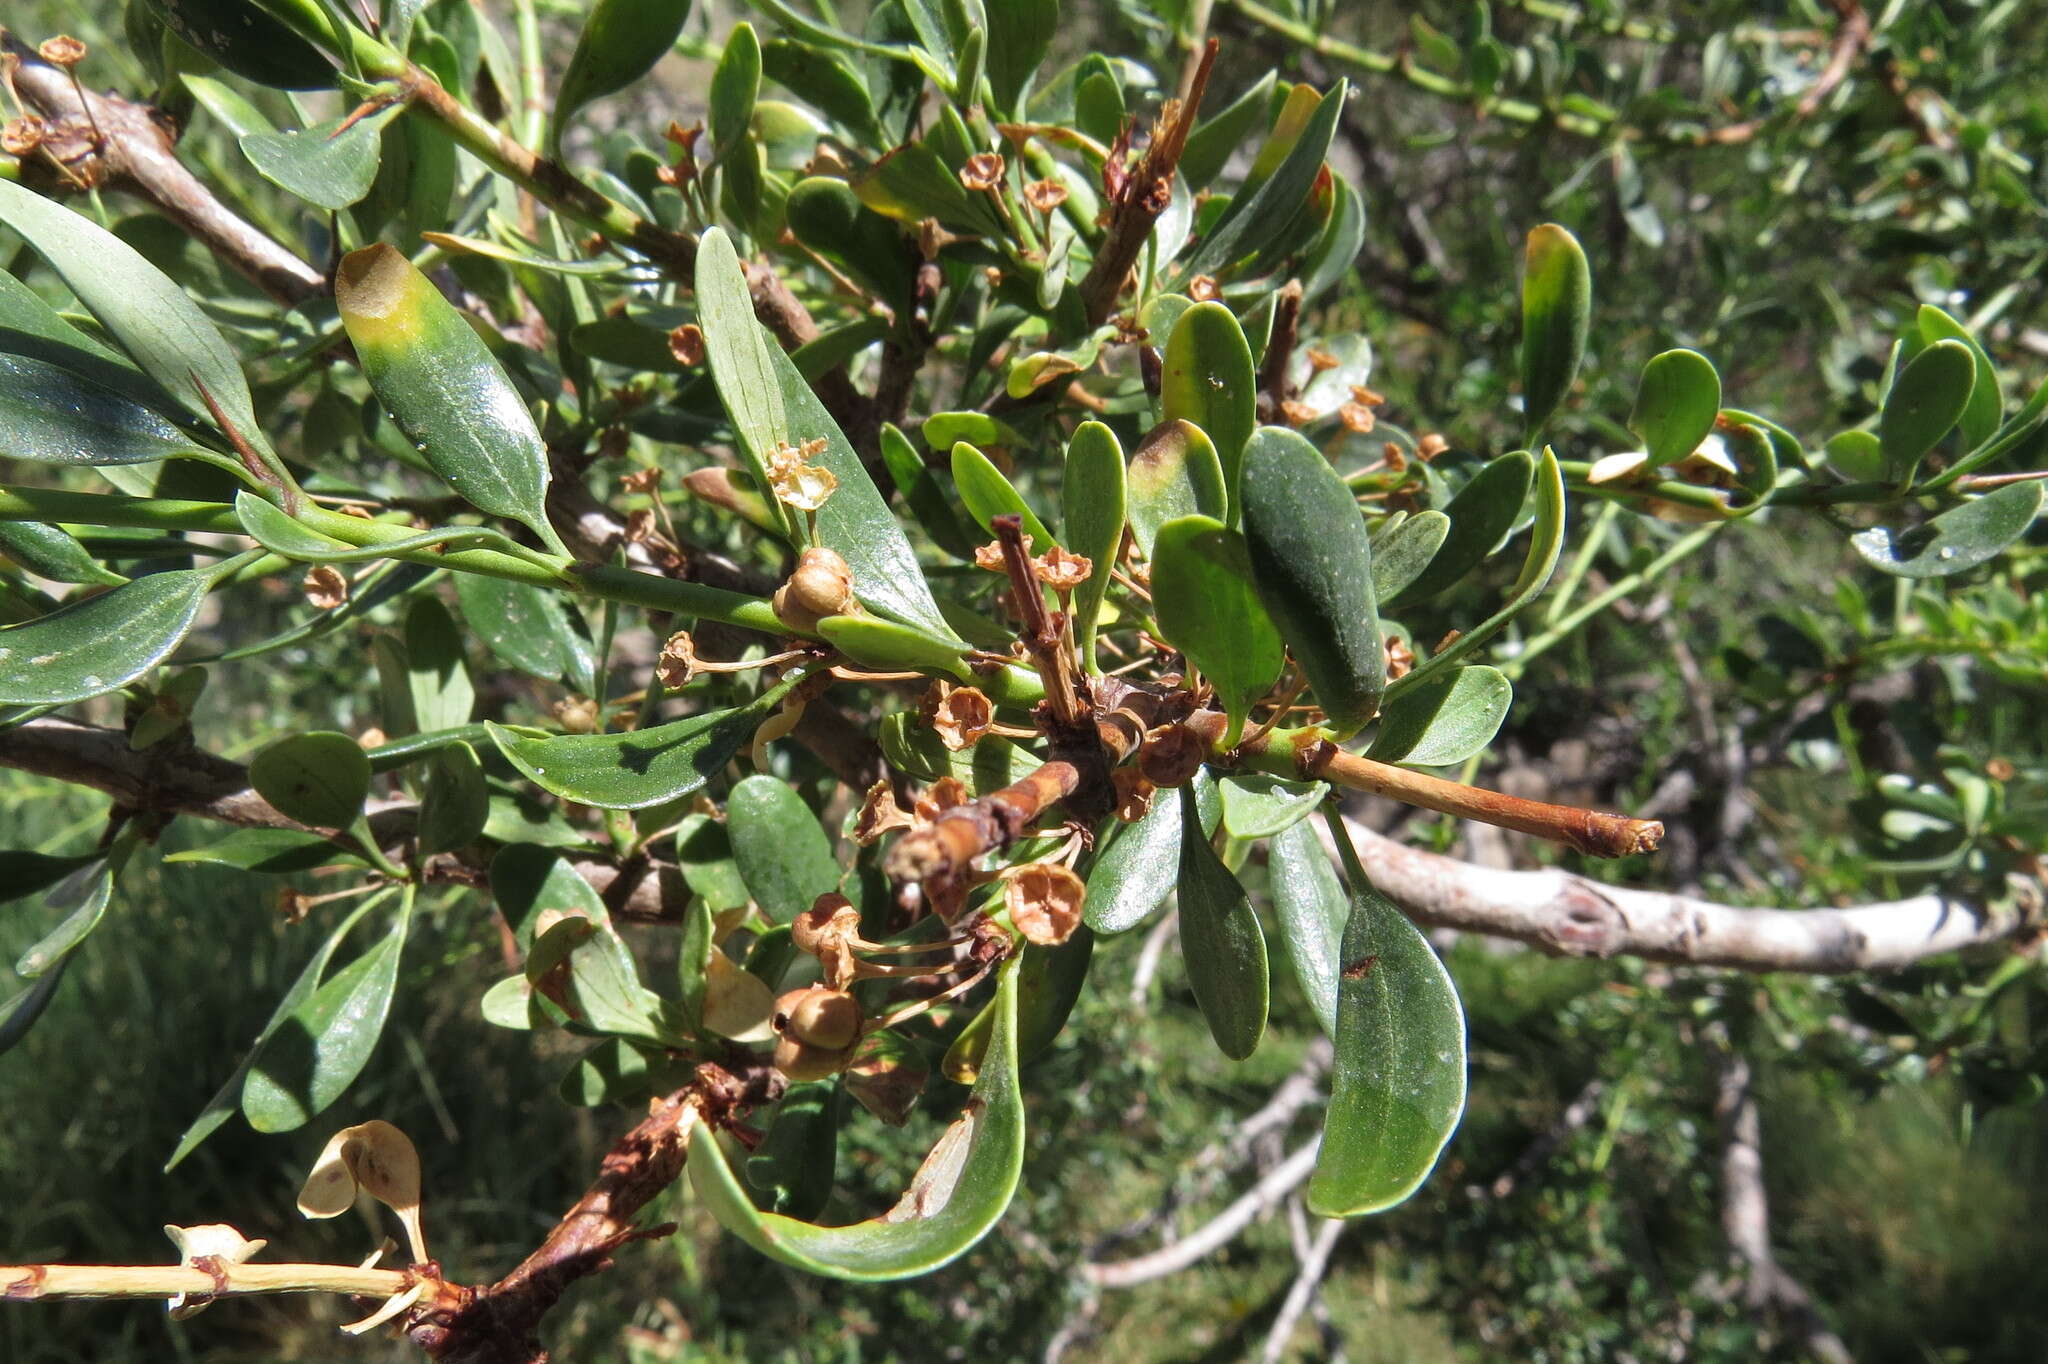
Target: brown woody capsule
1171,754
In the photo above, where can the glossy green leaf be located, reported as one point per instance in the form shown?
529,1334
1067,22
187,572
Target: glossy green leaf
1216,138
143,309
437,674
1857,455
703,852
916,748
784,854
82,898
1207,608
1222,943
1956,541
1676,403
1454,716
1400,553
93,646
1259,806
1137,871
316,1051
987,494
527,880
327,165
829,218
1049,984
274,851
23,873
444,388
1986,405
54,553
248,41
1257,215
1557,303
771,404
826,82
884,644
735,85
958,1194
1094,501
1482,514
1398,1088
620,42
944,430
1926,401
53,416
1311,558
318,777
1207,378
1310,909
927,502
456,802
587,976
227,1099
792,1167
634,770
1174,472
527,627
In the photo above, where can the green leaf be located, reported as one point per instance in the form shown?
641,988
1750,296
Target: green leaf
444,388
926,500
784,854
525,880
54,553
1398,1088
1137,871
620,42
1312,561
225,1100
1482,514
19,1012
1216,138
1020,33
1093,503
83,897
1049,984
1857,455
1446,721
1258,215
437,674
634,770
1174,472
248,41
1308,902
1557,303
1926,400
1676,403
829,218
456,803
582,966
316,1051
917,749
1986,405
319,778
94,646
23,873
1208,609
1260,806
987,494
1207,378
735,85
1401,552
527,627
150,316
54,416
792,1167
327,165
957,1195
275,851
1222,944
1956,541
704,855
770,404
884,644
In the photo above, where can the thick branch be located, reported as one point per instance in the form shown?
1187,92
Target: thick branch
1278,1182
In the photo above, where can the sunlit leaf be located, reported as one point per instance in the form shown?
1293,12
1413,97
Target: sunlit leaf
1447,720
1222,943
1926,401
1208,608
1207,379
1676,403
1954,542
1557,301
318,777
93,646
1174,472
784,854
620,42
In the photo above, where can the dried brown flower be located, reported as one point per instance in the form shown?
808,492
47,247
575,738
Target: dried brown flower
1400,658
21,136
1297,413
686,344
1367,397
1133,793
641,480
828,930
677,664
324,587
62,50
1430,446
1171,754
1045,195
1044,899
879,814
941,796
960,715
1204,289
1320,360
1357,418
1062,570
983,171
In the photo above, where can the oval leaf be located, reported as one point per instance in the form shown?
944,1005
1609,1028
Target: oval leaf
784,854
635,770
1309,904
1557,303
328,165
1676,403
1259,806
620,42
1446,720
1926,400
1222,943
1206,378
958,1194
1093,503
1398,1087
987,494
444,388
52,416
1312,561
1137,871
1174,472
1986,403
1482,514
1401,553
91,647
1957,540
456,803
1208,609
319,778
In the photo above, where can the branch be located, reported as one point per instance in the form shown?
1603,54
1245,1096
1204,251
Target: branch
129,147
1278,1182
1568,915
1313,1266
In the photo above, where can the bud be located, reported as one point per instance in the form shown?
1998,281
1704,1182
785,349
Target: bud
213,1248
576,715
1045,901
